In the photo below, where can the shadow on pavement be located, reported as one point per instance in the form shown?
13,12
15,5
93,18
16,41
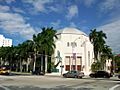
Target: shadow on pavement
108,79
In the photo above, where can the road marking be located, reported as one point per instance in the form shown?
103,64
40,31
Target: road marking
4,87
112,88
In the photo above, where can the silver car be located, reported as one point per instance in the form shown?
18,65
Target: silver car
73,74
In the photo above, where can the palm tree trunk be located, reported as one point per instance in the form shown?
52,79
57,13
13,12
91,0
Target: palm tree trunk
27,64
42,63
20,65
46,63
34,63
1,61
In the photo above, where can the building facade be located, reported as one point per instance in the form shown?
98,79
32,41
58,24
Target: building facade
5,42
74,51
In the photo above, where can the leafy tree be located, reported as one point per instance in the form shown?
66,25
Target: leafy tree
42,44
28,48
116,63
106,55
95,66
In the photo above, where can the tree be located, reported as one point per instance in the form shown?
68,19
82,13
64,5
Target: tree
116,63
6,54
106,55
2,55
95,66
28,48
101,50
43,46
48,36
97,39
36,47
93,39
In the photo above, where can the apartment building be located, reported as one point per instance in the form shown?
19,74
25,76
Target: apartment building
5,42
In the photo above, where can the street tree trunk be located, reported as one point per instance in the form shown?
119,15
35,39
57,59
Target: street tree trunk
34,63
20,65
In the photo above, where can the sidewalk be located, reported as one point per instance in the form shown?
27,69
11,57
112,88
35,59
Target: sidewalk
53,74
20,73
59,75
46,74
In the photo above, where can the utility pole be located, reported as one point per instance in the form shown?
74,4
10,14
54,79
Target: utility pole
74,44
34,59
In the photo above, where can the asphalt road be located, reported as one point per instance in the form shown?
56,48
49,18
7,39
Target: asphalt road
30,82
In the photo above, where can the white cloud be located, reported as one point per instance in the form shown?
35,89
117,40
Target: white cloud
38,5
56,8
56,24
7,1
4,8
53,9
88,3
112,31
72,24
108,5
17,10
15,23
72,11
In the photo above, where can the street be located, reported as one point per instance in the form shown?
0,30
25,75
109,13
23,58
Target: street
33,82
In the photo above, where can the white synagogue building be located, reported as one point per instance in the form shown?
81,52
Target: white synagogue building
74,51
5,42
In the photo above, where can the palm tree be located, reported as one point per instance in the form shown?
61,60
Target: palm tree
36,47
2,54
9,55
101,50
100,42
97,38
48,35
43,45
6,54
28,47
21,55
93,39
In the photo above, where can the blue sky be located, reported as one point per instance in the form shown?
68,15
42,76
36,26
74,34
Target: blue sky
20,19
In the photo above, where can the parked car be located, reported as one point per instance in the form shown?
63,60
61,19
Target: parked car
119,76
4,70
100,74
38,71
73,74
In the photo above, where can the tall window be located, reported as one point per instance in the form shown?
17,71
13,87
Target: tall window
68,44
67,63
89,58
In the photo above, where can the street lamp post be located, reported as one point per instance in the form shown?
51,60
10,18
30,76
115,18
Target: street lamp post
74,53
59,60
